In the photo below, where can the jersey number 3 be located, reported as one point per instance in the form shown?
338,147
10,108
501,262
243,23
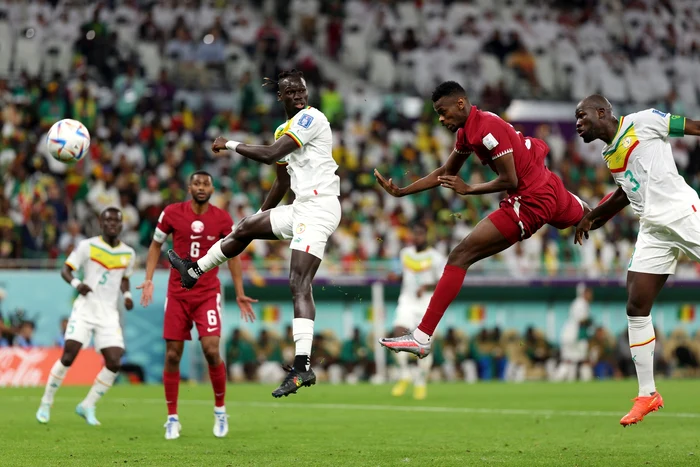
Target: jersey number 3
630,177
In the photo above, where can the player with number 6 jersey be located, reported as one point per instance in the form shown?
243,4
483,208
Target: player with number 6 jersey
195,226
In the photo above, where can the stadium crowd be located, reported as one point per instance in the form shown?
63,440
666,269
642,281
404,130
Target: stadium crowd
152,117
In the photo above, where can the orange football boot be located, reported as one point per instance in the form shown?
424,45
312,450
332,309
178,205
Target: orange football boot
643,405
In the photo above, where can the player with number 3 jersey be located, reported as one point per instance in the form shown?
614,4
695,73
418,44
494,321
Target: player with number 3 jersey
195,226
638,154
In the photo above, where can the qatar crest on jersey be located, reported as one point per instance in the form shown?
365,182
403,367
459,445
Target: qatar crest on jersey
197,226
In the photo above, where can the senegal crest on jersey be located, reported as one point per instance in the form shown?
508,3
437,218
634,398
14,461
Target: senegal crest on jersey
617,157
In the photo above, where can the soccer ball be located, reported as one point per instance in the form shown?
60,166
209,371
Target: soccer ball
68,140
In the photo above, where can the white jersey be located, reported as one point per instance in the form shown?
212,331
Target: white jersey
103,269
311,167
419,268
641,162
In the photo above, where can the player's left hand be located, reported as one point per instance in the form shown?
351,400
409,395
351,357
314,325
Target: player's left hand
455,183
219,144
244,303
128,304
582,230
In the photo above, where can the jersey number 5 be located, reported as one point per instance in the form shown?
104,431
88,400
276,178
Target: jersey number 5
194,250
103,279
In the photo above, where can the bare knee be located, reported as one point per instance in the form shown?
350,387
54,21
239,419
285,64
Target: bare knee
462,256
172,357
299,283
113,365
211,354
637,307
68,358
243,229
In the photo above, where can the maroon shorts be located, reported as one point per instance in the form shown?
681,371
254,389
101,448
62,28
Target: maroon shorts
523,214
204,310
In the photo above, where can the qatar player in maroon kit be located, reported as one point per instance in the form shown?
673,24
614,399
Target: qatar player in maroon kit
536,197
195,226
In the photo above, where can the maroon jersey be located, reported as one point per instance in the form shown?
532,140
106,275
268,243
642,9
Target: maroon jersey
193,235
490,137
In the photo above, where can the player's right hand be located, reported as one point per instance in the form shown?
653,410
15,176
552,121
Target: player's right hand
84,289
388,185
146,292
582,229
219,144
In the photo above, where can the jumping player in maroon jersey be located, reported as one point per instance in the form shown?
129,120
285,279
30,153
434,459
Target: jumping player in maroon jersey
536,197
195,226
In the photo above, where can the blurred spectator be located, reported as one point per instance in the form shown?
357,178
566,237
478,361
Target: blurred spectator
70,238
574,339
356,358
60,338
241,360
269,357
24,335
601,351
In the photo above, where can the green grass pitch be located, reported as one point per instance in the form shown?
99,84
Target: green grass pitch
527,424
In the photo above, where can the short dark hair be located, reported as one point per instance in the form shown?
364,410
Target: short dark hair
110,209
448,88
293,73
420,225
201,172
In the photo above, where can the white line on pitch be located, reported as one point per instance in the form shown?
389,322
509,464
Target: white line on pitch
382,408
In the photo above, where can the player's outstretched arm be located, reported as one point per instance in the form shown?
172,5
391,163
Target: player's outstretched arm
280,187
451,167
151,262
265,154
507,179
594,219
244,302
67,275
692,127
128,301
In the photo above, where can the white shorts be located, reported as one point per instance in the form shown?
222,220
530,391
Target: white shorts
409,312
657,248
307,223
104,326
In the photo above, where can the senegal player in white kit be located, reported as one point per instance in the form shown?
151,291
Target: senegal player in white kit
638,154
106,264
303,154
421,267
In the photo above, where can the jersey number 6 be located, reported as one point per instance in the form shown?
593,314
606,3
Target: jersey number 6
194,250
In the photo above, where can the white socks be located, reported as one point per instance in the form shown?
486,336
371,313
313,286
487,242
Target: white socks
56,375
404,370
421,337
425,364
103,381
642,344
214,257
303,330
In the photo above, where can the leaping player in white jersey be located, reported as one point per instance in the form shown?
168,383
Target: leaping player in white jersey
422,267
638,154
303,154
107,264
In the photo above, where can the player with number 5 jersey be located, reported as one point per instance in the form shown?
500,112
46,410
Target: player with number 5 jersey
638,154
195,226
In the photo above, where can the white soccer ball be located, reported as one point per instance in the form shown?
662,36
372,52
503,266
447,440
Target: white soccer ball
68,140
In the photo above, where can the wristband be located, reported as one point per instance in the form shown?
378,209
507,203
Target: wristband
127,295
232,145
75,283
